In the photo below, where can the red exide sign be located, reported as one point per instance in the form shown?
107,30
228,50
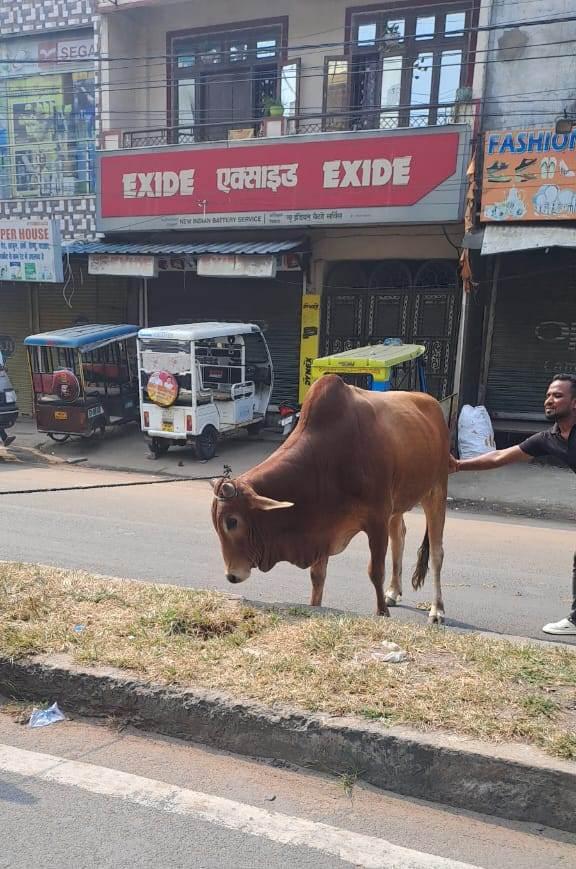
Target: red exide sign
400,177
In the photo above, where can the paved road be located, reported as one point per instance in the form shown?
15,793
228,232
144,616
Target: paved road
83,794
503,575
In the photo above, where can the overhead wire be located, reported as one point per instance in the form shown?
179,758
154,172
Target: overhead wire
397,12
317,70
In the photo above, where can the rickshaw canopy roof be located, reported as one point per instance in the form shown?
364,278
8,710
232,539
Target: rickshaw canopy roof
375,356
197,331
82,338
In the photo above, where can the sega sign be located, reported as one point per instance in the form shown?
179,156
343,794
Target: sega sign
67,50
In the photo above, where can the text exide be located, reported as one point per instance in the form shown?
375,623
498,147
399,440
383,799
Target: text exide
336,174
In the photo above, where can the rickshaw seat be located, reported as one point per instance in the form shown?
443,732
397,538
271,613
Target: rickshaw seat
224,392
203,394
115,372
105,371
43,383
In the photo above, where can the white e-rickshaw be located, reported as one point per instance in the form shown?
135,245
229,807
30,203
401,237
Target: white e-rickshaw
200,382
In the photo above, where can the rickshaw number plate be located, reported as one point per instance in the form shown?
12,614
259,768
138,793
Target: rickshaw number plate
167,426
94,411
60,414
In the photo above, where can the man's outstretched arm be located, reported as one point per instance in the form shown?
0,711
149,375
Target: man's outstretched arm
490,461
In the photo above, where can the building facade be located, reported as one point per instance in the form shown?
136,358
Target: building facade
345,203
304,166
525,307
49,118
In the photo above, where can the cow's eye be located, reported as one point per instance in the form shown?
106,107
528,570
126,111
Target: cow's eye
231,523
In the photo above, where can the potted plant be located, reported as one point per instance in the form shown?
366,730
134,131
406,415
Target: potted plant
273,107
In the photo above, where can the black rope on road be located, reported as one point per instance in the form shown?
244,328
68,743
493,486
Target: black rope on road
106,486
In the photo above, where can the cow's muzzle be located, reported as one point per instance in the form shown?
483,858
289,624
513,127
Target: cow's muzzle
238,576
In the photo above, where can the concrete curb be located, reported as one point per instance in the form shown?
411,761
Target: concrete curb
549,513
513,782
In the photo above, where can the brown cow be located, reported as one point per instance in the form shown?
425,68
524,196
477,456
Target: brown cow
357,461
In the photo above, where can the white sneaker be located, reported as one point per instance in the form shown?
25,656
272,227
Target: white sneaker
564,628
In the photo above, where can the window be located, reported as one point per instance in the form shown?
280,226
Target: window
406,67
224,81
335,107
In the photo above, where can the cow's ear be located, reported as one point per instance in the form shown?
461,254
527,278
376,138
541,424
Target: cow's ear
262,503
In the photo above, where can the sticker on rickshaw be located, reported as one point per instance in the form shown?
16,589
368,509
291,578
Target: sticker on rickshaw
162,388
65,385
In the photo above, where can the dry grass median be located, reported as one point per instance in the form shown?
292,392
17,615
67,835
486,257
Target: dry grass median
469,685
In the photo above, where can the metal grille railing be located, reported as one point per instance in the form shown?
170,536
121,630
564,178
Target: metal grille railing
153,137
303,124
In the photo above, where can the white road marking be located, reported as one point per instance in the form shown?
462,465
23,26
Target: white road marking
365,851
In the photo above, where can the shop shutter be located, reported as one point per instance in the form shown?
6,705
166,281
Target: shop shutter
15,325
274,305
419,302
89,298
534,332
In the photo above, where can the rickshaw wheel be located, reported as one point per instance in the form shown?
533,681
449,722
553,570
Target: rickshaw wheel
158,446
95,433
58,437
206,443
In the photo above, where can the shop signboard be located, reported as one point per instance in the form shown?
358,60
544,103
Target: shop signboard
529,175
128,265
31,55
47,116
227,266
322,180
30,251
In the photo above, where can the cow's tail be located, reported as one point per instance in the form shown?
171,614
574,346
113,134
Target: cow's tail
421,568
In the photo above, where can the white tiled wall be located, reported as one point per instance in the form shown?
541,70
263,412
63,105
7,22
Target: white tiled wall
28,16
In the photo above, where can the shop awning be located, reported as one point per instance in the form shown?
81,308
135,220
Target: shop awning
506,239
237,248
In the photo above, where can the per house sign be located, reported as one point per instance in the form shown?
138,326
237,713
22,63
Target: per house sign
399,176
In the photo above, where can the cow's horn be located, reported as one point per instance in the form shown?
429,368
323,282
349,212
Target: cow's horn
227,490
262,503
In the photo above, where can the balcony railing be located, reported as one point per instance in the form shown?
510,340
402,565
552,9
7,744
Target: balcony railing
304,124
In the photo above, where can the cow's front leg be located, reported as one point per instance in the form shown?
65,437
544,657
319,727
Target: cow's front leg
318,577
378,541
397,530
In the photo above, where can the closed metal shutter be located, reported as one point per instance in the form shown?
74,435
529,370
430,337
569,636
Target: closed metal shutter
274,305
15,325
86,298
534,332
419,302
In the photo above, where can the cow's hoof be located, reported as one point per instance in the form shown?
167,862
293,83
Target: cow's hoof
391,601
436,619
385,613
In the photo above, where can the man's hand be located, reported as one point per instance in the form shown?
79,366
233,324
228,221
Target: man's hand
487,461
453,465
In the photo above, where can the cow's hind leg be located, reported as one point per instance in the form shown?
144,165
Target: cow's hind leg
397,530
378,541
318,577
434,505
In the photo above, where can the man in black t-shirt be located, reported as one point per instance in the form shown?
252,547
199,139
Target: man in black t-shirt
560,442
